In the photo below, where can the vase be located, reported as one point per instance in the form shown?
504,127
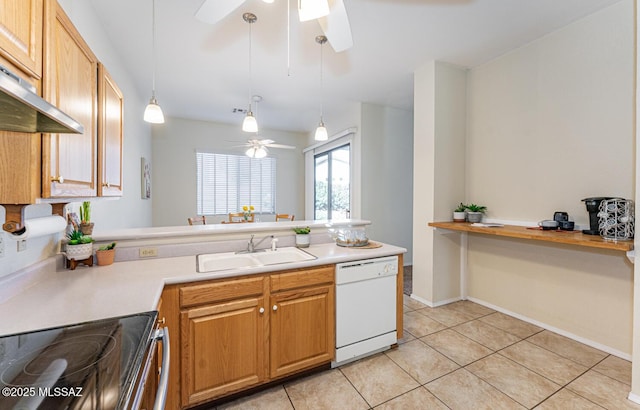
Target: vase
459,216
105,257
302,240
79,252
474,217
86,228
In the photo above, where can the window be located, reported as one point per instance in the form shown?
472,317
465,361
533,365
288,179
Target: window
225,183
332,183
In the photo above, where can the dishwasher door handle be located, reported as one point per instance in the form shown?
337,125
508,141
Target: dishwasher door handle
163,384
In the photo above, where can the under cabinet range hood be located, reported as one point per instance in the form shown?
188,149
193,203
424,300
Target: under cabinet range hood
22,110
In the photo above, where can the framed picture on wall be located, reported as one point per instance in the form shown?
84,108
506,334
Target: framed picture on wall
145,167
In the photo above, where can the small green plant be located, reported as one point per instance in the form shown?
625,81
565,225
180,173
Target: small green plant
112,245
476,208
77,237
461,208
302,231
85,212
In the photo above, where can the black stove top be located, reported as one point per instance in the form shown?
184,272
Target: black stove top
90,365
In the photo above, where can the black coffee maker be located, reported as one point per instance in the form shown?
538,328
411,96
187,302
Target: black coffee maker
593,207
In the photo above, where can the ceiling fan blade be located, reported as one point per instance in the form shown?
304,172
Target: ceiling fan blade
280,146
266,141
336,26
212,11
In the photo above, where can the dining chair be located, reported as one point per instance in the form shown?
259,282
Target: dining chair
198,220
284,217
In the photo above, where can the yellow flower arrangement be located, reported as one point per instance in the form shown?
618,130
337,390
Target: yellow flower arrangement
247,211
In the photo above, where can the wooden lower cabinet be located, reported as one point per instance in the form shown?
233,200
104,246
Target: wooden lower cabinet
238,333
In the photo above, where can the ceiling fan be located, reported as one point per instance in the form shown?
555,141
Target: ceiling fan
332,17
259,148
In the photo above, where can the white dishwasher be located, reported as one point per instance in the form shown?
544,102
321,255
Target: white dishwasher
365,307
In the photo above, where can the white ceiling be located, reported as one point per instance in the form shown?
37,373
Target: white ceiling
203,70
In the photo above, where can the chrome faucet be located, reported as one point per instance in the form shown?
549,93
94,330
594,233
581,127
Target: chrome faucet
251,247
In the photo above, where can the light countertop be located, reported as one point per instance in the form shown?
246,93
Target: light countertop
64,297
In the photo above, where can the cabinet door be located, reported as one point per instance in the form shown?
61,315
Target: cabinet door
71,84
302,329
110,135
223,348
21,34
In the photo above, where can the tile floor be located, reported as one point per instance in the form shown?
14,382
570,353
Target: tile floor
463,356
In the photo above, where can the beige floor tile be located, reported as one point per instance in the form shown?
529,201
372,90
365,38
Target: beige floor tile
272,399
411,304
510,324
378,379
543,362
447,317
419,398
420,325
456,347
616,368
516,381
603,390
463,390
421,361
323,391
470,308
567,400
565,347
487,335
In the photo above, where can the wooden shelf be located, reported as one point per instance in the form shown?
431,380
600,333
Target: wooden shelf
512,231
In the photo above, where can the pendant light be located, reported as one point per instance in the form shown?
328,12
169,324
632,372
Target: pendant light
321,131
250,124
312,9
153,112
256,150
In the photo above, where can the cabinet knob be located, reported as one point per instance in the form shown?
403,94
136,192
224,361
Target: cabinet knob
162,321
106,185
261,310
59,179
275,307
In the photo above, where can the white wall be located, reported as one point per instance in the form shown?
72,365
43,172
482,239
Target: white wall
438,178
128,211
549,124
387,174
174,166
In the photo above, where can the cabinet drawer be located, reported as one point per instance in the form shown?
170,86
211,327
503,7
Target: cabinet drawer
303,277
223,290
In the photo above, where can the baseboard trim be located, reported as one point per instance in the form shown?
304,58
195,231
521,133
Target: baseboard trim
588,342
634,398
431,304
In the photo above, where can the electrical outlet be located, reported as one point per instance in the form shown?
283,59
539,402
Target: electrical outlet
22,245
1,244
148,252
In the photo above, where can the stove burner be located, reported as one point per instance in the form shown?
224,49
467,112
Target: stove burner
80,352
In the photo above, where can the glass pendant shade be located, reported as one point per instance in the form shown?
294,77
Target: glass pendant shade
268,1
250,124
312,9
321,132
153,112
256,152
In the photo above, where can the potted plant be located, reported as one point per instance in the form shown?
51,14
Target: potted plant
475,212
106,254
79,246
459,214
302,237
86,226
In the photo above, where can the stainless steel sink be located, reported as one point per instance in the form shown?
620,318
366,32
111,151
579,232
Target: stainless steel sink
212,262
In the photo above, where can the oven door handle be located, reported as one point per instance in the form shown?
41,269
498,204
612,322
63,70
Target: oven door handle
163,384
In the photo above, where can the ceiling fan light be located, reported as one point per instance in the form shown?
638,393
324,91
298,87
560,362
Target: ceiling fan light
153,112
321,132
312,9
256,152
250,124
268,1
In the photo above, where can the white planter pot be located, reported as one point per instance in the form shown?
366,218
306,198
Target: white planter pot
459,216
302,240
79,252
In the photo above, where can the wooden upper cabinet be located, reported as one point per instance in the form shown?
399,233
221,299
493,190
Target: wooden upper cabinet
70,82
110,135
21,34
